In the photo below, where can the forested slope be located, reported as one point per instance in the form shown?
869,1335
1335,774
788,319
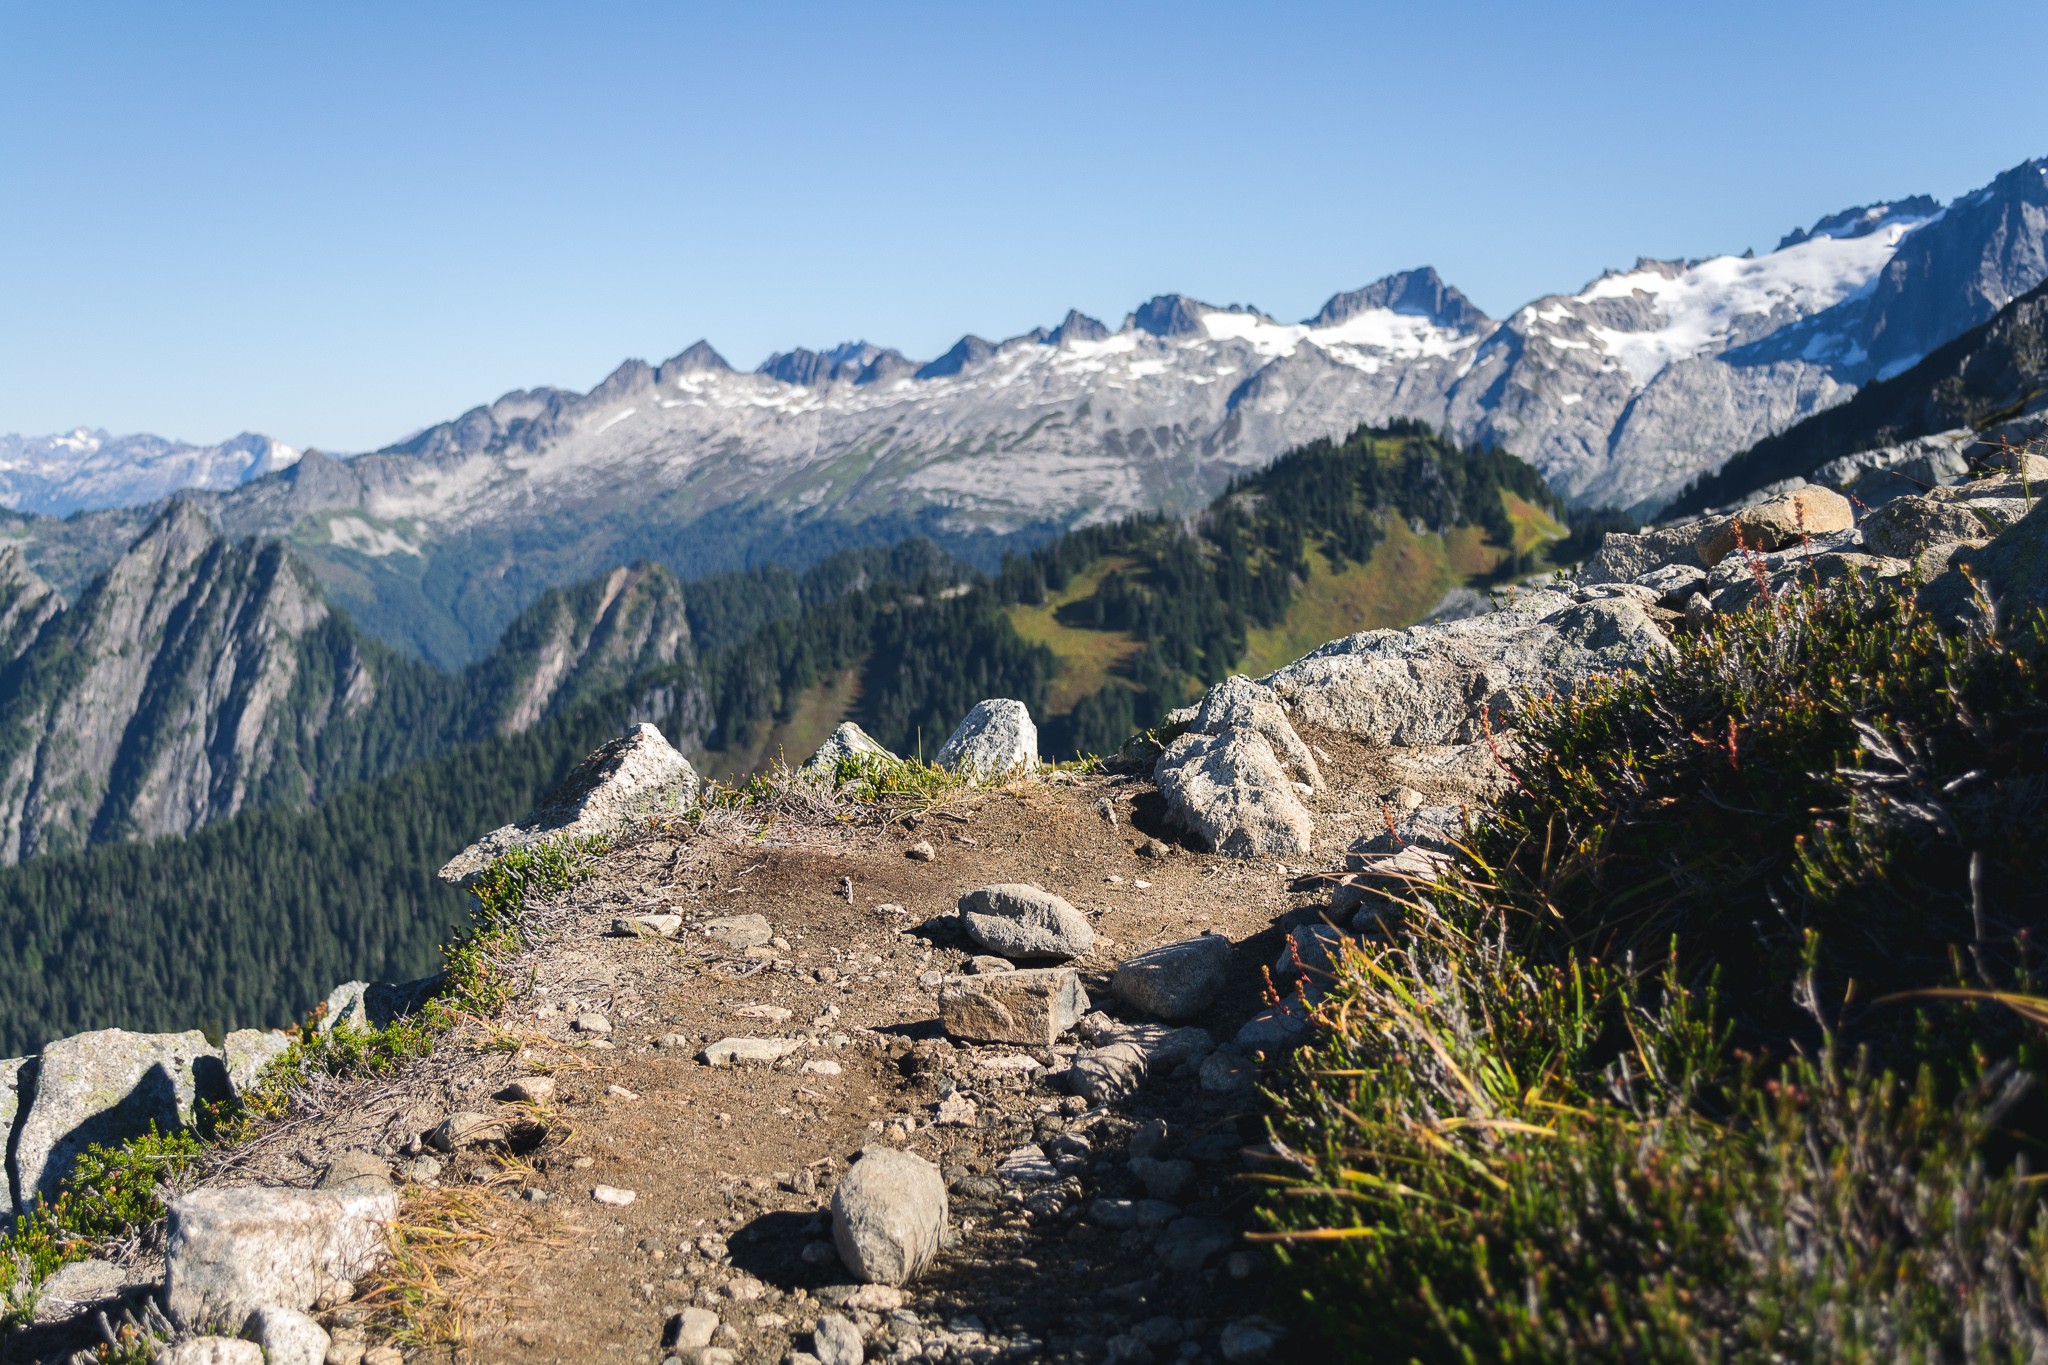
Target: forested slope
250,920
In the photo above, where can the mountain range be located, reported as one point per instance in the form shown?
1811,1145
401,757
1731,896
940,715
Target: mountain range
1621,394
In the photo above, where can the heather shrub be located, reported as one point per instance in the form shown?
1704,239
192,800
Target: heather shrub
1720,1047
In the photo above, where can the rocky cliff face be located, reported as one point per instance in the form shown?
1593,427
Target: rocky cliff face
168,693
575,643
199,676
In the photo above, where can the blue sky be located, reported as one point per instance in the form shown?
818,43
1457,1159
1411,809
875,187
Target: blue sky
336,223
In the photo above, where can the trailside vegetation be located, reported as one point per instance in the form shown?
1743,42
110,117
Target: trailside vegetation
1725,1042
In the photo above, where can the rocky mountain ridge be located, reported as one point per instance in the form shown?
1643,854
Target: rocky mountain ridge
1621,394
86,470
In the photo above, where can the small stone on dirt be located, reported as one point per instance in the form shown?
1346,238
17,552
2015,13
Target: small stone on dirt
689,1330
1018,920
591,1023
1152,848
774,1014
529,1090
465,1130
956,1111
746,1051
921,852
820,1066
613,1196
352,1170
1027,1166
738,932
1028,1007
836,1341
1177,980
889,1216
1249,1339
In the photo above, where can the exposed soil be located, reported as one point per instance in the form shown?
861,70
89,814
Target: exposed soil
731,1169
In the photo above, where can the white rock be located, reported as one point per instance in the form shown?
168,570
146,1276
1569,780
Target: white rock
848,741
233,1251
1029,1007
1023,921
995,739
209,1351
613,1195
629,777
738,931
746,1051
836,1341
247,1051
641,926
1231,792
1238,703
288,1337
889,1216
1445,683
1176,980
108,1086
690,1329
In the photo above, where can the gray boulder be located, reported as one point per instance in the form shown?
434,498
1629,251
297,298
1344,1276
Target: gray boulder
848,741
2012,570
1232,792
1238,703
1022,921
106,1087
633,775
1443,684
234,1251
287,1337
1904,527
247,1051
1029,1008
1777,523
1175,981
1126,1055
375,1004
889,1216
1625,558
996,739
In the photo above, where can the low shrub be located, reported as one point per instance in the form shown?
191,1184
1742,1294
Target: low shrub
1718,1047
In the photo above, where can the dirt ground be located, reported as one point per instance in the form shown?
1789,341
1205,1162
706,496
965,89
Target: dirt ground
730,1169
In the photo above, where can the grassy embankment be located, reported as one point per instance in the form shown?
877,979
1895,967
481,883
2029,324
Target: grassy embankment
1725,1045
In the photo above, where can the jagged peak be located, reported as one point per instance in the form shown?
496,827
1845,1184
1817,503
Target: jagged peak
698,355
1170,315
1863,219
807,367
968,350
1418,293
1076,326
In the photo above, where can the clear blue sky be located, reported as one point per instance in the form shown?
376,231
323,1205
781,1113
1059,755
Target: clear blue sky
337,223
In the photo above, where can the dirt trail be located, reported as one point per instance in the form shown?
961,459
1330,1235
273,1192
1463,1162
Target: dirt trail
730,1169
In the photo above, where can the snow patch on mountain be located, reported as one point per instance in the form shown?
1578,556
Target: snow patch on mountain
85,469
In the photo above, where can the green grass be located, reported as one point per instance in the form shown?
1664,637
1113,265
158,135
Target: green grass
1723,1046
1088,659
1406,576
818,711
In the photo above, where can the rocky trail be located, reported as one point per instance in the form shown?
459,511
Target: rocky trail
962,1078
